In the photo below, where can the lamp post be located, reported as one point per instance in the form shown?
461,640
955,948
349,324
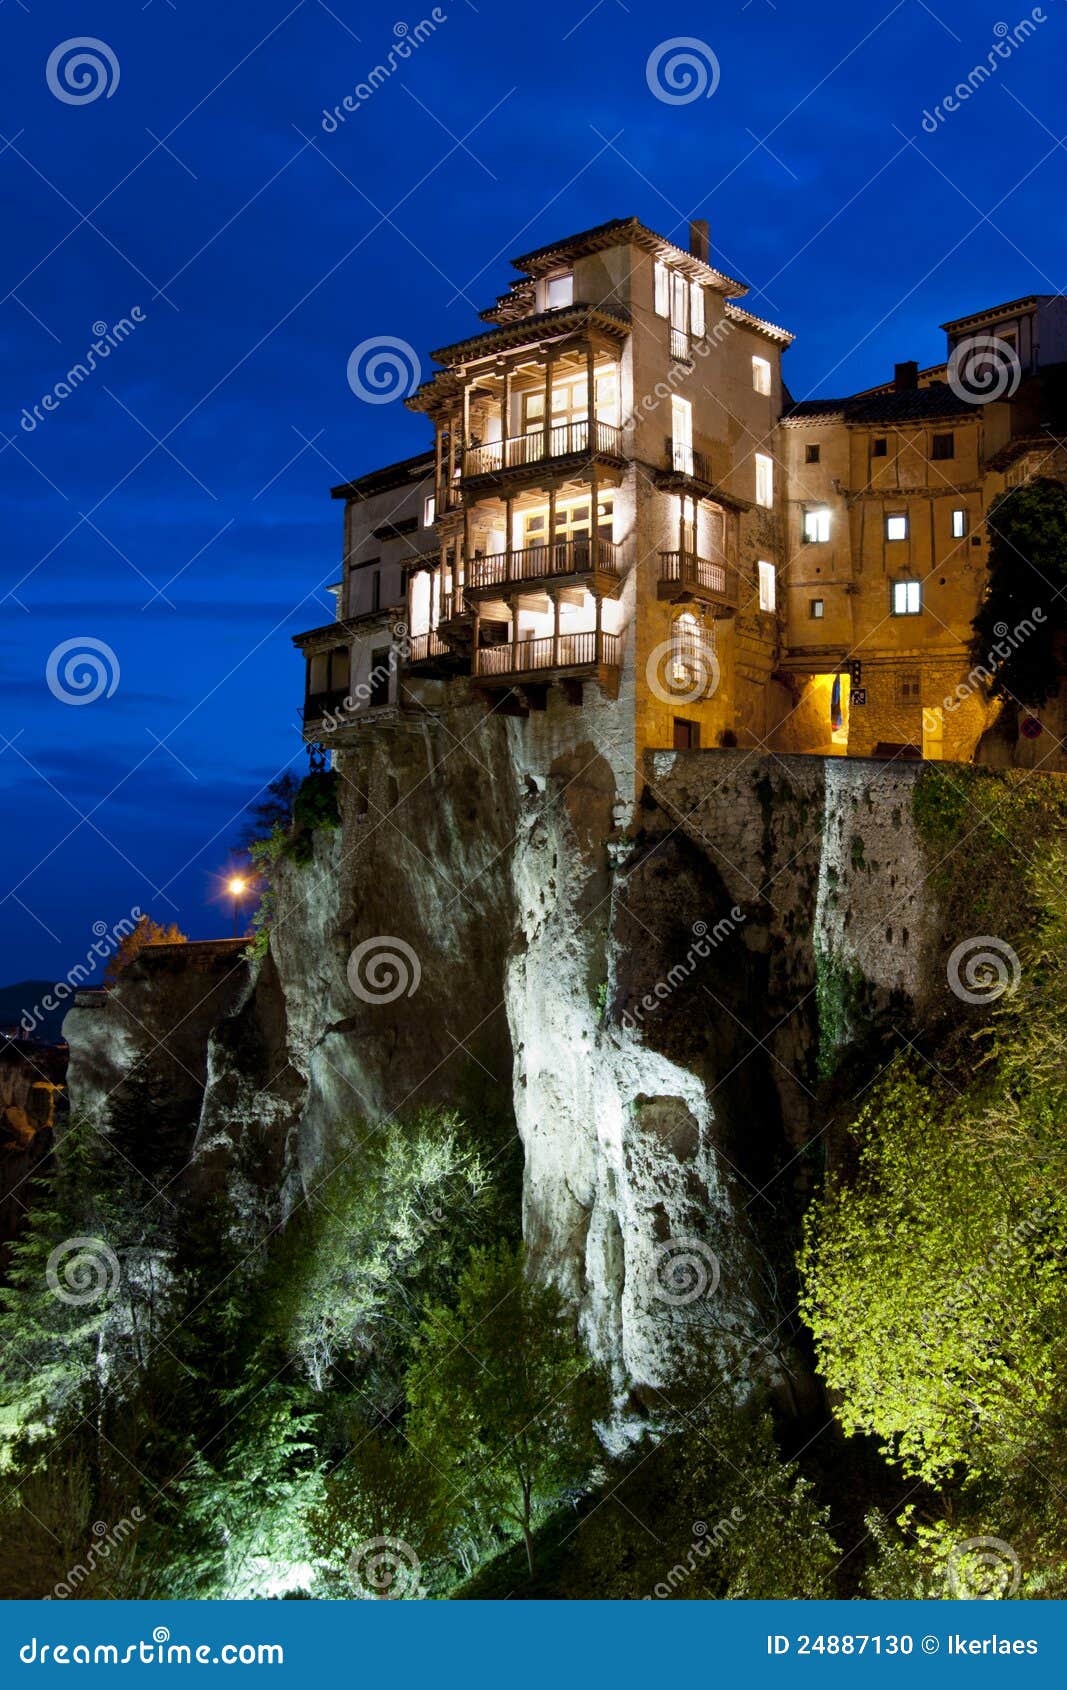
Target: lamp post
237,888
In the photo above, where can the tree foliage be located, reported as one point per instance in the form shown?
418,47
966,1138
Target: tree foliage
147,932
502,1397
1027,574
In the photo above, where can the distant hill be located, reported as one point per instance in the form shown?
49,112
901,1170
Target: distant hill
22,998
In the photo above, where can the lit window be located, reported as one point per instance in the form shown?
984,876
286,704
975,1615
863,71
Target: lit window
662,290
896,527
943,446
696,309
429,508
959,525
761,375
560,291
764,480
907,598
767,587
880,448
816,526
812,454
817,608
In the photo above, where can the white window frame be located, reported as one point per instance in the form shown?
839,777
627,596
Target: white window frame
761,374
817,525
768,587
429,510
960,523
662,286
682,433
907,598
696,309
900,520
817,609
557,285
764,480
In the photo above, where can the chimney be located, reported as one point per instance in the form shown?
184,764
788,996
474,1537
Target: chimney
905,377
700,240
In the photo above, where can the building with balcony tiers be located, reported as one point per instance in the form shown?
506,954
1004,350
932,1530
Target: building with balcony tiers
623,510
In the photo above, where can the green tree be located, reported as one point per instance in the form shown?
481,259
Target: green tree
502,1398
1027,573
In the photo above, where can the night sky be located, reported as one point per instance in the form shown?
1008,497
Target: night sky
175,506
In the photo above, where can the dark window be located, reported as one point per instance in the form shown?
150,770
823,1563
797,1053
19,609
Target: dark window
909,687
880,448
686,735
376,590
943,446
811,454
379,677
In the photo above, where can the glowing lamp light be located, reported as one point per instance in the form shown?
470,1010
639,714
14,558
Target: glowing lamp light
237,886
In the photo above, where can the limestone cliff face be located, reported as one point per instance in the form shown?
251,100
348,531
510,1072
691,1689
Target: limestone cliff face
639,983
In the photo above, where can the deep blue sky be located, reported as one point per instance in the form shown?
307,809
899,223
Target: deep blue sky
280,247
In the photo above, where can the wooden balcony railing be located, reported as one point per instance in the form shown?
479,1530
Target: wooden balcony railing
453,604
421,647
688,570
688,461
680,348
534,563
563,441
448,496
320,704
570,651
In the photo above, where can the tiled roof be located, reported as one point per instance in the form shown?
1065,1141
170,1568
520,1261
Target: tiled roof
383,480
914,404
1010,309
760,324
628,229
528,328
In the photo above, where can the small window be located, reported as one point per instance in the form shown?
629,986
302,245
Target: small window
896,527
696,309
907,598
816,526
764,480
811,454
663,291
959,525
943,446
817,609
767,587
880,448
1009,337
560,291
429,509
761,375
909,687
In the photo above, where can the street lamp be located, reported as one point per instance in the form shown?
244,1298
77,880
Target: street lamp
237,889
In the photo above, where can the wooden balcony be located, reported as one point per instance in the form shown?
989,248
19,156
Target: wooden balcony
433,657
594,560
683,575
687,461
590,655
319,705
530,451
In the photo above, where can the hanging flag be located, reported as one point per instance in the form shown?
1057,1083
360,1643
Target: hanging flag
837,718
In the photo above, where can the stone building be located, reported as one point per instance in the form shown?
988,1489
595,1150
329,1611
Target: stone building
624,518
